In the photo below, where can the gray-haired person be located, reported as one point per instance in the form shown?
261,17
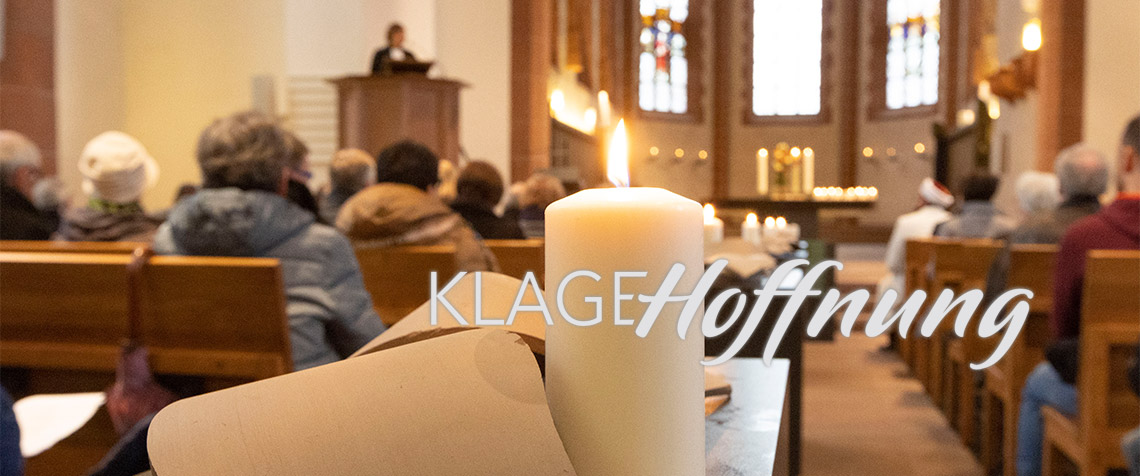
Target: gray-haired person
1082,175
20,173
242,211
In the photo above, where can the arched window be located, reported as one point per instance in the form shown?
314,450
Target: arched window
665,64
787,57
912,53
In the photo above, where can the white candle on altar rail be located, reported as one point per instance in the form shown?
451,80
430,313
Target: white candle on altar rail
750,229
714,227
624,404
762,171
809,169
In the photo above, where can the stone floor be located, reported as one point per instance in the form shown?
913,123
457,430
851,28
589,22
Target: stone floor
863,414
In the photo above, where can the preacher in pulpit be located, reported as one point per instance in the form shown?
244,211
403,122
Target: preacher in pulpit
393,52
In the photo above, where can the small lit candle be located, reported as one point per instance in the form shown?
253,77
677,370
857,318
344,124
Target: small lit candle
714,227
781,222
762,171
809,168
750,229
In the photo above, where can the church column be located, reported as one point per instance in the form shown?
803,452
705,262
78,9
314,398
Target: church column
1060,78
530,66
27,73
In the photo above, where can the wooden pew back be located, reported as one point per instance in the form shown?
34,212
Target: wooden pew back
399,277
220,321
1031,267
516,257
99,247
219,317
1110,331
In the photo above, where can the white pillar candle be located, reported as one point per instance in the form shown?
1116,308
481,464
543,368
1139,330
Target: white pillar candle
762,171
750,229
624,404
809,169
714,227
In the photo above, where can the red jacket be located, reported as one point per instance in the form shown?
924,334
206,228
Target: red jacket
1115,227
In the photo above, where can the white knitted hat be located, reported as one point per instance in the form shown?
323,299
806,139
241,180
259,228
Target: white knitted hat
935,193
116,168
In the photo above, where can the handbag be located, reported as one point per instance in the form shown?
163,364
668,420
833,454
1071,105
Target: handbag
135,394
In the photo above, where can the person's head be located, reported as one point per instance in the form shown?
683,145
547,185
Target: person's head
1038,192
351,171
479,182
19,162
409,163
396,35
980,187
933,193
247,150
1129,176
116,168
1082,171
541,191
297,158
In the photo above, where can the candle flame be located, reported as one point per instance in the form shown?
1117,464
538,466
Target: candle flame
769,222
751,219
710,212
617,165
781,222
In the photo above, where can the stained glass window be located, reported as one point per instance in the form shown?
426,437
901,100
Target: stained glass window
912,53
787,51
663,67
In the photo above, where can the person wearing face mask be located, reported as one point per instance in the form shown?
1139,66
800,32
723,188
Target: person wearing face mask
20,174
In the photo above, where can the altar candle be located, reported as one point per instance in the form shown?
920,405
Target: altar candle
762,171
624,404
809,168
750,229
714,227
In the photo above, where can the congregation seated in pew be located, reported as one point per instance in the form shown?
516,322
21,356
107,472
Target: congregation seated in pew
539,192
978,218
242,211
403,209
1082,176
1116,226
116,170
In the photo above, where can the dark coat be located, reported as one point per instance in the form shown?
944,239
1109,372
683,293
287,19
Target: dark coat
382,57
20,220
486,223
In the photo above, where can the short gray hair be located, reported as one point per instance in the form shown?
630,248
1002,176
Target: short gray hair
352,170
16,152
1037,192
1081,170
247,150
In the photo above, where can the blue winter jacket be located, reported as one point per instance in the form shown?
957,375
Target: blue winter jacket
330,313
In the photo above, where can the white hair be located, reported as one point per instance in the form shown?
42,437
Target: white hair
1082,170
1038,192
16,152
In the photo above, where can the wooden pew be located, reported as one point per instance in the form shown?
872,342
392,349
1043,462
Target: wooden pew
919,253
949,273
516,257
1110,331
217,321
98,247
1030,267
958,382
399,277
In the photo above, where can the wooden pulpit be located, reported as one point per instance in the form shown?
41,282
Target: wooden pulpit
378,111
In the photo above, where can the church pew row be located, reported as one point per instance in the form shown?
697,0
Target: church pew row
399,277
207,322
1030,267
1110,332
959,390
